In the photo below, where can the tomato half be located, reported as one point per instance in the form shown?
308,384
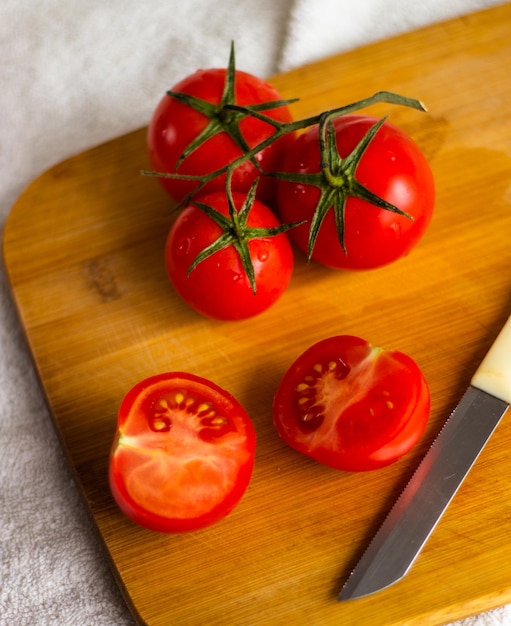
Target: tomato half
218,287
351,406
175,125
183,453
392,167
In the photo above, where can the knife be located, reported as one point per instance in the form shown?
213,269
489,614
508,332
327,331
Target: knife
439,475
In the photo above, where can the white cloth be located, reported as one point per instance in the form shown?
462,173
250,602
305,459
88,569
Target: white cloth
74,74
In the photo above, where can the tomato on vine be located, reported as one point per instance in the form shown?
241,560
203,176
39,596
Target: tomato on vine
228,256
183,453
193,131
363,189
351,406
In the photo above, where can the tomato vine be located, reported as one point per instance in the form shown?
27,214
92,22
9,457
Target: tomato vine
336,179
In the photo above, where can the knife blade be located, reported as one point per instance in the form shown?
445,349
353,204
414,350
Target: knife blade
418,509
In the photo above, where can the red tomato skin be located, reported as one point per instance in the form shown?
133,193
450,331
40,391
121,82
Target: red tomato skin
360,430
133,423
218,287
393,167
174,125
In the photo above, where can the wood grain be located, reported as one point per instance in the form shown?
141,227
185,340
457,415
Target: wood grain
83,250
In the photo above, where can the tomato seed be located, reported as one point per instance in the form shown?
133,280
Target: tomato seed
312,419
218,421
160,424
203,408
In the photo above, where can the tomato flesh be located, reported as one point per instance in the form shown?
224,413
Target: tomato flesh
351,406
183,453
392,167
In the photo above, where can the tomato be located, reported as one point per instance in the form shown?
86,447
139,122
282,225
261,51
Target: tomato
194,110
351,406
341,196
183,453
220,286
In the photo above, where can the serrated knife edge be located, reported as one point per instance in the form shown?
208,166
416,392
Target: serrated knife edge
418,509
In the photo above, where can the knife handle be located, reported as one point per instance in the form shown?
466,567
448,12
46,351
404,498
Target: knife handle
494,373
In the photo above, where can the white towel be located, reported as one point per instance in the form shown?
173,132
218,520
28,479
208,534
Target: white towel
320,28
74,74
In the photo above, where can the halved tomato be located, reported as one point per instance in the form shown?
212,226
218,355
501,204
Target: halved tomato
351,406
183,453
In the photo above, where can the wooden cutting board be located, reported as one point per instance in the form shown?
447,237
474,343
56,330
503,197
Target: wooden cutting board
83,250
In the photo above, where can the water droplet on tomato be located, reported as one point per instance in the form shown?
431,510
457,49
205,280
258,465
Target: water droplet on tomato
184,246
262,255
312,419
341,369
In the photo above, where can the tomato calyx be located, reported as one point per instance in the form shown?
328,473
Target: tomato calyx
236,232
337,181
280,130
222,118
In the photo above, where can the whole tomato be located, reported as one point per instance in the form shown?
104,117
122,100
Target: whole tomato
351,406
367,195
182,455
192,132
228,256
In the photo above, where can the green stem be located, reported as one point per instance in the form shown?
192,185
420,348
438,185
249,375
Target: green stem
284,128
